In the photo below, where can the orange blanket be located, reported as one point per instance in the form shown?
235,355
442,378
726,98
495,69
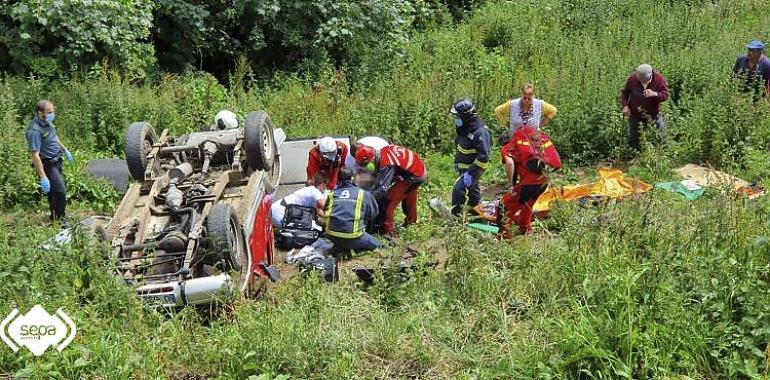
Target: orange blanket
612,183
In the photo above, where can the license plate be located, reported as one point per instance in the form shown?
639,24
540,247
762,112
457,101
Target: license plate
159,299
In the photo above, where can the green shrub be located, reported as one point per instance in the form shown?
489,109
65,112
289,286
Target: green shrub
49,38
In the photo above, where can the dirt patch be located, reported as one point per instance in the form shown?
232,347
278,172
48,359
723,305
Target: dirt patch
184,375
24,219
288,271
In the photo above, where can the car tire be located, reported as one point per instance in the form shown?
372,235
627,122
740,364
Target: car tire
97,232
258,141
97,235
227,241
140,137
93,232
113,170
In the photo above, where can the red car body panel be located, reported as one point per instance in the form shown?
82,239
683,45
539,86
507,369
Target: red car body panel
261,241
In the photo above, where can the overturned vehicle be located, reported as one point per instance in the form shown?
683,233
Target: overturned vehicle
195,228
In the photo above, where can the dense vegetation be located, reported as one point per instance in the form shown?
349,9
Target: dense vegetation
652,287
51,38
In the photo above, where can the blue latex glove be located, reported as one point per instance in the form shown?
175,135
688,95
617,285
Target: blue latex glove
45,185
467,179
68,155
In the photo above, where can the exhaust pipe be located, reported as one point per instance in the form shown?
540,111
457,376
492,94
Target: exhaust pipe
197,291
207,289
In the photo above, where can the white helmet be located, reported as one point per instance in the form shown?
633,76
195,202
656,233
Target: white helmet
226,120
373,141
328,148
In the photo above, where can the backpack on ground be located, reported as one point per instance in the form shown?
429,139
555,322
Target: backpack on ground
297,228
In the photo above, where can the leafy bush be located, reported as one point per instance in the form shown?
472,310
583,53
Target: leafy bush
50,38
56,38
284,34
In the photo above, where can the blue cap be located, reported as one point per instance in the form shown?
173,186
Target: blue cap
756,45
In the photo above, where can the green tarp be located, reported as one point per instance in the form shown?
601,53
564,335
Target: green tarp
484,227
678,187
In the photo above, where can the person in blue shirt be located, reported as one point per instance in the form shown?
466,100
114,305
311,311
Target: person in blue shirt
47,150
753,69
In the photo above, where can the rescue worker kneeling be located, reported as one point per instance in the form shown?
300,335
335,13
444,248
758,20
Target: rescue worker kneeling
399,174
350,209
532,151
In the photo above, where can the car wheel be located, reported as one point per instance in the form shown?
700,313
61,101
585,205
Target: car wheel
112,170
258,141
96,232
140,137
227,240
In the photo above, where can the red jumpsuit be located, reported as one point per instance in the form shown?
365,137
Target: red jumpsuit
316,163
399,176
530,184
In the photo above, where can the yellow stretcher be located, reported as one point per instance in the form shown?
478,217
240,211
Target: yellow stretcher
611,184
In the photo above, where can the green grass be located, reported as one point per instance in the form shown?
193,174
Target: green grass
650,287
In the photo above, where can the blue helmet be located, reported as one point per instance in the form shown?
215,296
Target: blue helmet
463,107
756,45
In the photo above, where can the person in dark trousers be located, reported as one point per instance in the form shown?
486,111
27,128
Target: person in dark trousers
473,142
399,174
47,151
645,89
350,209
753,70
531,152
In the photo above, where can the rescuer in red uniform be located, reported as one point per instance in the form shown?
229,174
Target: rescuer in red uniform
400,172
326,157
532,151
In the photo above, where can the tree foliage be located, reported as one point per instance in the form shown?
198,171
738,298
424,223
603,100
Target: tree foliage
48,37
276,34
53,37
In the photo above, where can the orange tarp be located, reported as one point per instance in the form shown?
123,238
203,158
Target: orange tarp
612,184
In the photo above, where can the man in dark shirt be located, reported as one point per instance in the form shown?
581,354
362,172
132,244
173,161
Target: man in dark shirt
350,210
46,151
641,97
753,69
473,142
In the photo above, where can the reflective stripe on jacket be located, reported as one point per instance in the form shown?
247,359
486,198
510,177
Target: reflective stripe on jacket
473,142
350,209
